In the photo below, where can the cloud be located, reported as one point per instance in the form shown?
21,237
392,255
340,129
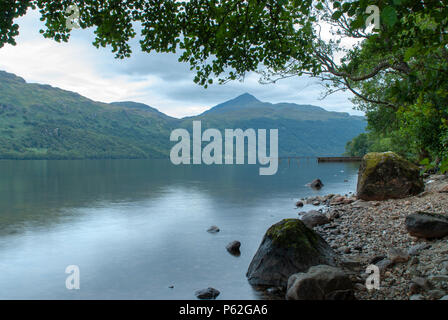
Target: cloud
158,80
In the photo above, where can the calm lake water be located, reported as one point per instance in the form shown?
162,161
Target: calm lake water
137,227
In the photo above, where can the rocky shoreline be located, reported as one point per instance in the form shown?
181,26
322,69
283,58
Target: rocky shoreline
374,232
387,242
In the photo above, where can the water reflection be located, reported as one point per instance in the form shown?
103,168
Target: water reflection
137,227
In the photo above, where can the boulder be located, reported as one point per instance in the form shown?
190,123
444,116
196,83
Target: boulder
386,175
320,283
427,225
234,247
314,218
316,184
288,247
209,293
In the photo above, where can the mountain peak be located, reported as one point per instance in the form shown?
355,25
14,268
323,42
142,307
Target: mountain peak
245,97
242,101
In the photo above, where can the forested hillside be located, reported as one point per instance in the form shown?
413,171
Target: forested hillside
42,122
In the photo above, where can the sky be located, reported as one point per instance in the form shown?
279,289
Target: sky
158,80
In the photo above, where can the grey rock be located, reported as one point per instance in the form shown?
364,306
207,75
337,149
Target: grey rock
414,288
416,297
376,259
209,293
333,214
299,204
288,247
397,255
416,249
427,225
421,283
320,283
314,218
444,298
316,184
438,278
234,247
384,264
361,204
436,294
213,229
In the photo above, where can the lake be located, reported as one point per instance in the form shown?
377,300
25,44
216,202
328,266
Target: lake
137,227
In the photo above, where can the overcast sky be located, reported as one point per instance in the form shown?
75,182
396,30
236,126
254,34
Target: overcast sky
154,79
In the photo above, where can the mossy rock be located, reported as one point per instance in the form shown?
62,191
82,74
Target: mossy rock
288,247
292,233
386,175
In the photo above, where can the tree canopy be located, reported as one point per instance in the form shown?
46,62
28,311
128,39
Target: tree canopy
396,72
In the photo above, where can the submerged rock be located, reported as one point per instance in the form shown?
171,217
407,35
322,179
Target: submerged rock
288,247
234,247
316,184
209,293
427,225
213,229
387,176
320,283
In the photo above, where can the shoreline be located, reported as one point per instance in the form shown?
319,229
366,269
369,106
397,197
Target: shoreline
365,233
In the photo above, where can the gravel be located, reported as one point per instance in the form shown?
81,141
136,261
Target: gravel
378,229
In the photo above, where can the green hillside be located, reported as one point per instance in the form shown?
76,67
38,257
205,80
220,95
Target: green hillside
39,121
43,122
304,130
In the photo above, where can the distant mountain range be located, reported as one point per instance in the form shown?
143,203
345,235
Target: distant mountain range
43,122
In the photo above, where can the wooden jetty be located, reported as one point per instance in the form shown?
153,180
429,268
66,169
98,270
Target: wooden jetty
319,159
339,159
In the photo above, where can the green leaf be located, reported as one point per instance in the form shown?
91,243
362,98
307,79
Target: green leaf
336,15
411,52
357,23
389,16
346,6
444,166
